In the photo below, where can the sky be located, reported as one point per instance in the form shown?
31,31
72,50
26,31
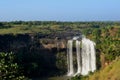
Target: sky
60,10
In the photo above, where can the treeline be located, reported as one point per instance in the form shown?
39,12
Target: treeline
48,27
82,24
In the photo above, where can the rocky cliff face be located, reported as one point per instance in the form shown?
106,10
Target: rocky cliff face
11,42
38,53
35,50
53,43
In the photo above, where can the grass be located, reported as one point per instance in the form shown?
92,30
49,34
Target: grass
111,72
24,29
14,30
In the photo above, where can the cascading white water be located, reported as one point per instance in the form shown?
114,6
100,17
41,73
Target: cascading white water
78,58
85,56
86,59
70,58
88,56
93,58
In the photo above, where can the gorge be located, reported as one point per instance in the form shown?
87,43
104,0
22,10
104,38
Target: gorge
38,54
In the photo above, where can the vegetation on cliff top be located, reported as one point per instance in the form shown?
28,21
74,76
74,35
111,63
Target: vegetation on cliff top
47,27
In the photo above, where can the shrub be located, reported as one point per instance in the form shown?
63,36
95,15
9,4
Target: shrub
8,69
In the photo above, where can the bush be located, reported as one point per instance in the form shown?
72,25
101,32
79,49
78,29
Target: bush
8,69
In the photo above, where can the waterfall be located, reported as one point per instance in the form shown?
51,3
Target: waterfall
70,57
86,57
93,58
78,58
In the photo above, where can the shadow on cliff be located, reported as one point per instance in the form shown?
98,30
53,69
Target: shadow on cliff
34,59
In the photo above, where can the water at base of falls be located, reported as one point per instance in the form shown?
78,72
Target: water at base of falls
86,59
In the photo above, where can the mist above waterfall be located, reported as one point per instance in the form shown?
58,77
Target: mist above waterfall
85,56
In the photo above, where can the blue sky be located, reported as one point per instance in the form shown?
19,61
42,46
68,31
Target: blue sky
60,10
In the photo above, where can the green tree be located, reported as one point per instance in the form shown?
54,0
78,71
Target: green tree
8,69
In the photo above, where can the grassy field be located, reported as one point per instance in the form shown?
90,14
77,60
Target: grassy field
24,29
